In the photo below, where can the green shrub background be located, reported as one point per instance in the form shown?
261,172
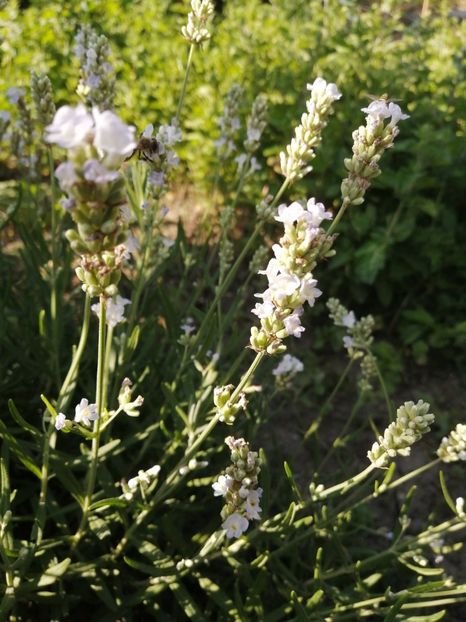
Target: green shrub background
401,255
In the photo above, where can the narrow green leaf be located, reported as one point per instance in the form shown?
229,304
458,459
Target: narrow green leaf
218,596
290,477
391,616
446,494
186,602
300,611
18,450
21,421
422,570
49,406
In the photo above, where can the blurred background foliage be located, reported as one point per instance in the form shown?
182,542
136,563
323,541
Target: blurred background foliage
401,255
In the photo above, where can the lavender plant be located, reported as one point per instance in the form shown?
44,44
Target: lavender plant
110,493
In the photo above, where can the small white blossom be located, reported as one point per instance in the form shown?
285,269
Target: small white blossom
71,127
14,94
169,135
288,366
96,172
154,470
85,412
222,485
115,310
293,325
349,319
112,136
188,326
459,504
66,176
60,421
253,508
235,525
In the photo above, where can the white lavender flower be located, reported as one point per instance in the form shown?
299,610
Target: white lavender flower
295,160
287,368
71,127
453,447
143,478
235,525
289,275
197,29
127,404
412,421
370,142
239,488
85,413
222,485
60,421
114,310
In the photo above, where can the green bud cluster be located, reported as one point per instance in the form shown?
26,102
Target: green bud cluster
258,259
196,30
226,407
453,447
256,124
368,368
101,228
265,209
97,80
412,421
42,97
370,142
243,472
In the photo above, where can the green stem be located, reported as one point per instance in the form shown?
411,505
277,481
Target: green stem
347,484
383,386
170,481
96,438
348,422
316,424
54,253
338,217
50,435
185,81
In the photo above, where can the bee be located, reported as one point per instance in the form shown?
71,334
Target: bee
384,96
147,146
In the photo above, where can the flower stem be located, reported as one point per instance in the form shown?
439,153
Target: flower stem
335,443
50,435
347,484
96,437
185,81
54,253
338,217
316,424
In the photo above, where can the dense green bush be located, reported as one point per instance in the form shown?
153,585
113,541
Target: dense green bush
76,538
402,253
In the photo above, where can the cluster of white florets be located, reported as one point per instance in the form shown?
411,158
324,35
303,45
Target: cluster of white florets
85,414
97,144
286,370
370,142
197,28
453,447
291,282
412,421
357,340
295,160
239,487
